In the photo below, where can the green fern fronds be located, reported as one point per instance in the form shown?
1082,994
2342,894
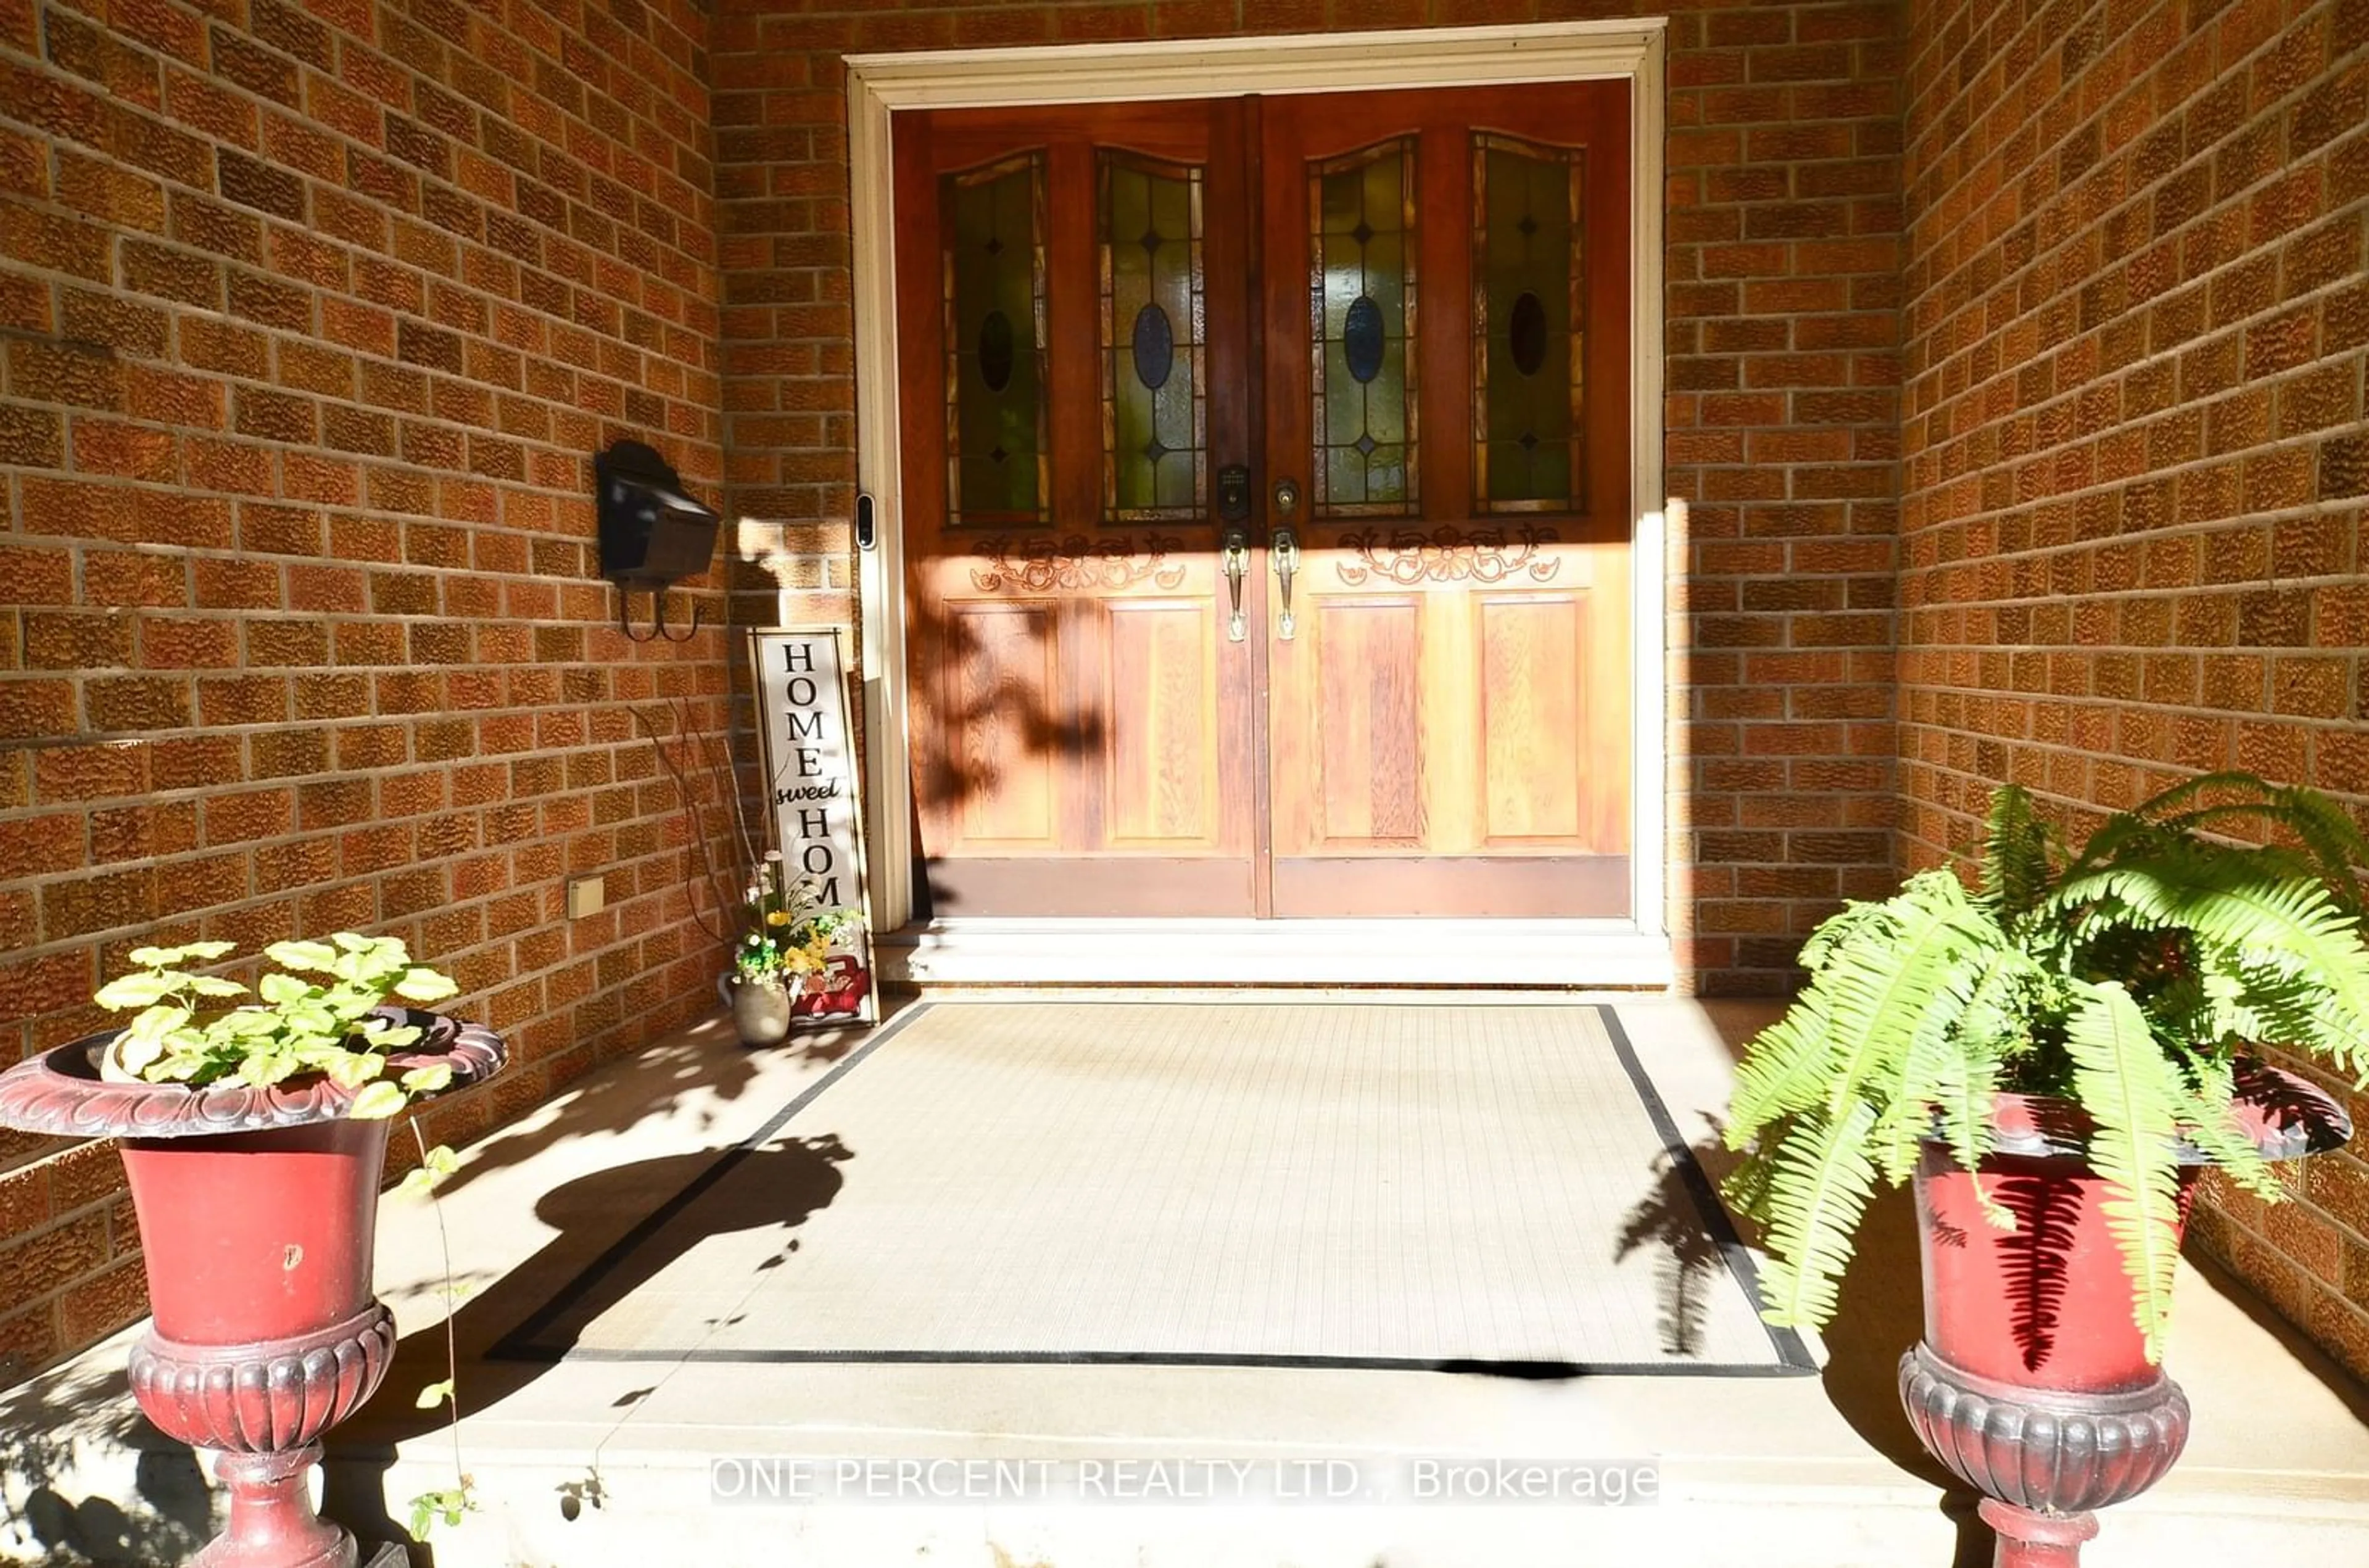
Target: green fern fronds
1998,1013
2152,820
2133,1092
1745,1190
2156,808
1906,1118
1854,1024
1784,1073
1968,1089
2208,1116
1953,1064
2334,845
2290,923
2015,853
1935,950
1817,1192
2338,845
2268,1001
1841,931
2130,974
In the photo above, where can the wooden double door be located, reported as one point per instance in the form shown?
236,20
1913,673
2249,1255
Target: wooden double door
1266,503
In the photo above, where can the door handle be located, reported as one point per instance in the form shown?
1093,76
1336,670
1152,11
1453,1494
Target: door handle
1283,543
1285,546
1237,567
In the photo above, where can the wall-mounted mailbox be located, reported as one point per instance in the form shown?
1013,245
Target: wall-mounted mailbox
653,533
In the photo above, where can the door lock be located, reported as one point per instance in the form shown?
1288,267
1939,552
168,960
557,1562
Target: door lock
1234,493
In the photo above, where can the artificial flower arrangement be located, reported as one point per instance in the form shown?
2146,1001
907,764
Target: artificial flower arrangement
785,937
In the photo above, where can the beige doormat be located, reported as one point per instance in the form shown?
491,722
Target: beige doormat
1468,1189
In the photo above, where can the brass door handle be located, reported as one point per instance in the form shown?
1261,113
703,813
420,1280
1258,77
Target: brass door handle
1284,544
1237,567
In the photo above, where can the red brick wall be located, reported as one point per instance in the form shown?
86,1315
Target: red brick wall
312,315
309,317
1782,272
2135,465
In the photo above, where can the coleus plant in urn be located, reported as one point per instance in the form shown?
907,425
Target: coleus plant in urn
254,1138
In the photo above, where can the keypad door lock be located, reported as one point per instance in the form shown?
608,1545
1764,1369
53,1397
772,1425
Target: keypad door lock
1234,493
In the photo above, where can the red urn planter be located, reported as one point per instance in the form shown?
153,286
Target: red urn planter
258,1210
2032,1384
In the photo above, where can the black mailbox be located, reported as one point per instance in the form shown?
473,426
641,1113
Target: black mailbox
652,532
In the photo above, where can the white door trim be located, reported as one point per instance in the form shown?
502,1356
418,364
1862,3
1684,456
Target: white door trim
1567,952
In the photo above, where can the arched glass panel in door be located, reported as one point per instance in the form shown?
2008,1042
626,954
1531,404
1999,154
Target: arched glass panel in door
1361,303
997,457
1528,337
1154,329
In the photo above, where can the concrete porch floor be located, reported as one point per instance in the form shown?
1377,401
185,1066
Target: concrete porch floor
592,1462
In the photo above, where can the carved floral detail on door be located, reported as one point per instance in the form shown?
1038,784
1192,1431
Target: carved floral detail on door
1447,553
1041,565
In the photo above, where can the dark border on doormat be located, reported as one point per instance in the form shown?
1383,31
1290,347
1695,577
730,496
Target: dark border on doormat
1793,1359
1795,1354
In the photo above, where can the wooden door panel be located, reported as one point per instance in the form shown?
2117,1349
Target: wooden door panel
1478,582
1533,713
1081,729
1414,304
1163,701
1364,711
1001,667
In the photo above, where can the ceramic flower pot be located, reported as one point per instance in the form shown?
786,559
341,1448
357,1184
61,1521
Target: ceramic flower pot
761,1006
258,1210
2032,1384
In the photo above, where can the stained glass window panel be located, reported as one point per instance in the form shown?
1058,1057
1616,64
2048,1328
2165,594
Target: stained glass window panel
996,450
1155,447
1361,320
1529,287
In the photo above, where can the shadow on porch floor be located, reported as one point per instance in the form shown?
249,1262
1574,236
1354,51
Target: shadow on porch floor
585,1461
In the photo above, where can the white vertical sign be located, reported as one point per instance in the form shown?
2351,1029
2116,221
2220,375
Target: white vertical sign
813,792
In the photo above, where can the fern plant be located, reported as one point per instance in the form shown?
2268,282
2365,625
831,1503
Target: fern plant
2129,974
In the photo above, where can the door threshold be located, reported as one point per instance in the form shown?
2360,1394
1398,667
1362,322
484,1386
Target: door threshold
1428,953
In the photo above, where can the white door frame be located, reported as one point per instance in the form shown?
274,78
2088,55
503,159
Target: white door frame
1582,952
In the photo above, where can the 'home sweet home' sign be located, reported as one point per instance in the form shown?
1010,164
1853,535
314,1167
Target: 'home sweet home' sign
811,783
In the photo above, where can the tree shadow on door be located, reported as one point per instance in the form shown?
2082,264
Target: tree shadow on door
949,776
